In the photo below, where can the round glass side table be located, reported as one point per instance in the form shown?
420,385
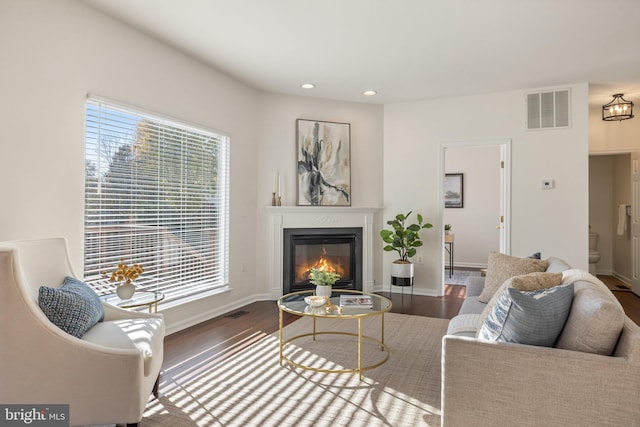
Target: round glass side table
139,299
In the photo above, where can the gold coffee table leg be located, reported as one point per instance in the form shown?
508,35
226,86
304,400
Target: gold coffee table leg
382,329
314,328
359,369
360,348
280,333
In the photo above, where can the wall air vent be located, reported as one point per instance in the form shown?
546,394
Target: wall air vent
548,110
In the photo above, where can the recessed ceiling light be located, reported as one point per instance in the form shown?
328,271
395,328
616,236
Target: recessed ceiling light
369,93
307,86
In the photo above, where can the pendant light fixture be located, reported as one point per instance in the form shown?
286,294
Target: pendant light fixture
618,109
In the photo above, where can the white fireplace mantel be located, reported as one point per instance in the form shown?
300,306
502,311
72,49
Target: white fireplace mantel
319,217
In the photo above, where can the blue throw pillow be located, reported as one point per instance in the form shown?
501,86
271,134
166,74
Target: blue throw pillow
534,318
73,307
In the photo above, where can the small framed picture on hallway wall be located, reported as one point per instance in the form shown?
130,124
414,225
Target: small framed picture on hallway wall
454,190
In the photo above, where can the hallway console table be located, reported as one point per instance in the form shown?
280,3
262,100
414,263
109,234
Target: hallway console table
449,247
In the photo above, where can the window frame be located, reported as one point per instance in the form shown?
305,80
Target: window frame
212,274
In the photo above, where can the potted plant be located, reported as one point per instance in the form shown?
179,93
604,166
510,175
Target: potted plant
323,280
403,239
447,228
125,275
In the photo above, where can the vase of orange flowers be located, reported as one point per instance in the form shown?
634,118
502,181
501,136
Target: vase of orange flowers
125,275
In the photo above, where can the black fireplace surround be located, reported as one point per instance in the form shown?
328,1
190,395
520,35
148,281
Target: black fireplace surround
337,248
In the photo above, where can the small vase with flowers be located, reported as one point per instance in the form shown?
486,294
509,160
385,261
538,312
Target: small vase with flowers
125,276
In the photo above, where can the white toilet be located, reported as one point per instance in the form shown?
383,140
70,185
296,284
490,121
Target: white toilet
594,255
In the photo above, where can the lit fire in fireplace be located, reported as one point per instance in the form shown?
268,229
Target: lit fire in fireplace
323,263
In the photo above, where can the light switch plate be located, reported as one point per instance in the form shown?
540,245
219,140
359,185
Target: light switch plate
548,184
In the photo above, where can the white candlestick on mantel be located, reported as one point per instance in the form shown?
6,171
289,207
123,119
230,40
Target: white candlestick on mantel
279,186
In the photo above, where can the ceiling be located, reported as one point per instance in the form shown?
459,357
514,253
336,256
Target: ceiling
404,49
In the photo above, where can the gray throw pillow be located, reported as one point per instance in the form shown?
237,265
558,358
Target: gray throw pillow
527,283
534,318
73,307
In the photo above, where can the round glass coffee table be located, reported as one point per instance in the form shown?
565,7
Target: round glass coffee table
294,303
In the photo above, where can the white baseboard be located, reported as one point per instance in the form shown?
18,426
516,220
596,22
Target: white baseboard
190,314
407,291
467,264
623,279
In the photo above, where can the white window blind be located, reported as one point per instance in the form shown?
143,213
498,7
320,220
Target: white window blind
156,194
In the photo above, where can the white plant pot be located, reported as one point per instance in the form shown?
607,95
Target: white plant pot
323,291
126,291
402,274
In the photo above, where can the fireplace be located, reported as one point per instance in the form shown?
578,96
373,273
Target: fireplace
335,249
325,218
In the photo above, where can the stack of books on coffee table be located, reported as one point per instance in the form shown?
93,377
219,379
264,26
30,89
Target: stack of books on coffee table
356,301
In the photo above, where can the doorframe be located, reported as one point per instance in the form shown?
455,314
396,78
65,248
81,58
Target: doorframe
634,223
505,188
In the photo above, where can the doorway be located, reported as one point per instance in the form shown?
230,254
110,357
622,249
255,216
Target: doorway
609,195
481,222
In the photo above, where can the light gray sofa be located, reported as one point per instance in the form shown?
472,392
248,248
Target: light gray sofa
486,383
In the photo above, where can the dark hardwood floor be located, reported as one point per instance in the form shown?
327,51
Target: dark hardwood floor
212,341
223,336
630,301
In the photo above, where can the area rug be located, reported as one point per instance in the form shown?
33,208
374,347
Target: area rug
251,388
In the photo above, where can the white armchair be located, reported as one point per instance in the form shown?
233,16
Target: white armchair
106,377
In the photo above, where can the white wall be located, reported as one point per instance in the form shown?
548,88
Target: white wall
550,221
474,226
276,152
53,54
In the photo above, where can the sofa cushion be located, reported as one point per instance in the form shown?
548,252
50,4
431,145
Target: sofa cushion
533,318
557,265
596,319
471,305
73,307
473,286
502,267
464,324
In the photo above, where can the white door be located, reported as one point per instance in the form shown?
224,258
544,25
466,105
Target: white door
635,222
504,223
499,227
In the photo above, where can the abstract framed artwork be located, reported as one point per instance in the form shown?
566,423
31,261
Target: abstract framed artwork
454,190
324,163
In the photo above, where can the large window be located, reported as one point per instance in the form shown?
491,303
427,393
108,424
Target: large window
156,194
